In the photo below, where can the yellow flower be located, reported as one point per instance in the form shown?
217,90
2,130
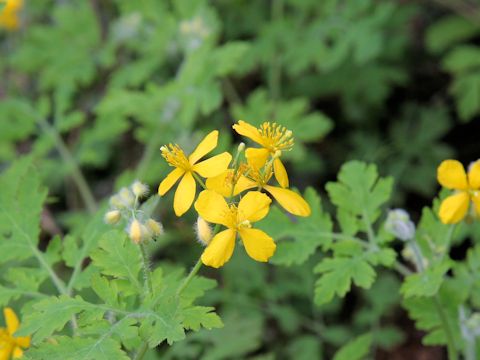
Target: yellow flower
451,174
187,167
9,14
273,138
10,346
288,199
253,207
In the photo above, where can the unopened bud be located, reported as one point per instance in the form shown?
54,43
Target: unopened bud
204,231
126,197
154,227
139,189
241,147
116,202
398,223
135,231
112,217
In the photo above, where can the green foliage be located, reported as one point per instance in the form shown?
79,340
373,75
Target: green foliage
91,90
355,349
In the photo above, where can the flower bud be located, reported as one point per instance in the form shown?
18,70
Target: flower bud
154,227
139,189
398,223
204,231
116,202
241,147
112,217
126,197
135,231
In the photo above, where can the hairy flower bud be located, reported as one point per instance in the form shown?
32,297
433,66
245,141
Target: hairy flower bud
112,217
126,196
135,231
398,223
139,189
204,231
154,227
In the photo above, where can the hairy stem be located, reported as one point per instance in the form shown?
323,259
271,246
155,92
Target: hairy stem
452,350
146,269
75,171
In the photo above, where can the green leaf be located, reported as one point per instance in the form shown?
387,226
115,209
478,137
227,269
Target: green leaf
426,283
165,323
337,277
51,315
227,57
88,348
462,59
117,256
196,317
21,201
449,31
355,349
429,314
360,191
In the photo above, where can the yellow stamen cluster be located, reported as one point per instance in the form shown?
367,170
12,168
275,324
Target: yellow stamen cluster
175,156
276,137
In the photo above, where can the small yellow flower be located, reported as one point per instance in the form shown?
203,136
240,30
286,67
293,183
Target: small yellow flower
187,167
451,174
274,139
288,199
253,207
10,346
9,15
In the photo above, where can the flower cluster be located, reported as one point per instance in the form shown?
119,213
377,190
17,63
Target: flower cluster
451,175
126,204
11,347
228,198
9,15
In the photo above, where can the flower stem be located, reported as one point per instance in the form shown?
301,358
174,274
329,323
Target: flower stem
75,171
452,350
190,276
146,269
200,181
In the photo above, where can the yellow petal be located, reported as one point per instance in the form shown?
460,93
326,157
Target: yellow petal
257,158
169,181
220,250
206,145
253,206
185,194
474,175
222,184
451,174
280,173
17,352
23,341
11,319
249,131
289,200
5,351
259,245
213,166
454,208
211,206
